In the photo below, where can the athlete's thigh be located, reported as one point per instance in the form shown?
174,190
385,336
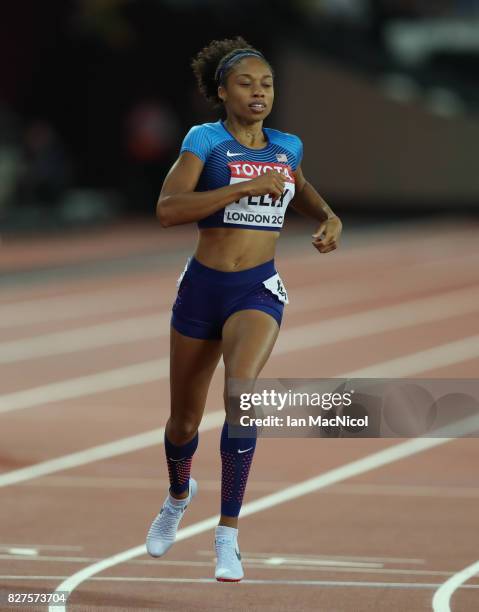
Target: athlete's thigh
192,364
248,339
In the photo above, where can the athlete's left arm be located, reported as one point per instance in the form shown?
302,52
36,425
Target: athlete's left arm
309,203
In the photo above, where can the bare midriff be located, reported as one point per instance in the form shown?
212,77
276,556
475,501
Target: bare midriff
230,249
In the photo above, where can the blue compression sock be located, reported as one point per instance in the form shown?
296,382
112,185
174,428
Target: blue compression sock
179,460
236,457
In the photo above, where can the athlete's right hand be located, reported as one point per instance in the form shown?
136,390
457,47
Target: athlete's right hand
271,182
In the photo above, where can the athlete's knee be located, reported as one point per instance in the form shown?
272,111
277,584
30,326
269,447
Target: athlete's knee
240,369
181,431
236,385
243,380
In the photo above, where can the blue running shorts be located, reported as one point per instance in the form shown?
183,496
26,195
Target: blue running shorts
207,297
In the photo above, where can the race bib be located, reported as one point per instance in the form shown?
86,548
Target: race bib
180,278
275,285
261,211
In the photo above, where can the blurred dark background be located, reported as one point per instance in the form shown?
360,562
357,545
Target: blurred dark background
96,96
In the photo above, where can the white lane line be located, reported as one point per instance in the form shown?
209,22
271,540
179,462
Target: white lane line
284,562
386,285
442,597
4,547
423,361
259,556
405,491
117,482
313,563
250,562
378,320
118,378
344,472
74,306
445,354
23,552
300,337
212,420
445,305
102,335
332,583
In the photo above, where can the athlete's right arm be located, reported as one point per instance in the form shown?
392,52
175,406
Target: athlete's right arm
179,203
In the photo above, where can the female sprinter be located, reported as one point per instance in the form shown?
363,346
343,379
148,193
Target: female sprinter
236,179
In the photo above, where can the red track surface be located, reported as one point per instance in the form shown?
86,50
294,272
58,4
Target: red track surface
384,539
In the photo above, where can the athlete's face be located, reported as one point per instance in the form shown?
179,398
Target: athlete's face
249,92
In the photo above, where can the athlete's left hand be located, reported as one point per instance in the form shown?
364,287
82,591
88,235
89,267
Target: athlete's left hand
326,237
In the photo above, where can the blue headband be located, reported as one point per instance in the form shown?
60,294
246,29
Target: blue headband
222,68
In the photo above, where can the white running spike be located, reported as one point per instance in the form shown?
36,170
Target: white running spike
162,533
228,557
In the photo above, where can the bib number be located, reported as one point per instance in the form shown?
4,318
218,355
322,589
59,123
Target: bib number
275,285
259,211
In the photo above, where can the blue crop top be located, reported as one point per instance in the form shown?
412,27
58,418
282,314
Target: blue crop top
227,161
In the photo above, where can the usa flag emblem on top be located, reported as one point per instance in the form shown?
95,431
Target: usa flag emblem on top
281,157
